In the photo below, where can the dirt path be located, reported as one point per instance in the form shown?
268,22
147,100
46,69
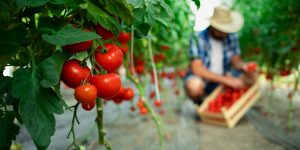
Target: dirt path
130,131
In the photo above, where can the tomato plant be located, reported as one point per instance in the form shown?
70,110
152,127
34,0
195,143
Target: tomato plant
44,40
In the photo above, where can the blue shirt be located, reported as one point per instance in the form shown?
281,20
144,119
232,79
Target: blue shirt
202,49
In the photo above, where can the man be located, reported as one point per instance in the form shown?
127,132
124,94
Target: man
214,54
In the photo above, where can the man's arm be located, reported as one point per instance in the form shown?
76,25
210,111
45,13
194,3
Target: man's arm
238,63
202,71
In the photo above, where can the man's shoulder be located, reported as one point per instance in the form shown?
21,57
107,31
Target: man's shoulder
232,36
203,32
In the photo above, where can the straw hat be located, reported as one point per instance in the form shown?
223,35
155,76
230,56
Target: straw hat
226,20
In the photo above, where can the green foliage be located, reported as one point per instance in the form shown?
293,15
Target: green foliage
197,3
69,35
8,128
147,12
35,30
271,33
50,70
37,105
175,35
121,9
97,15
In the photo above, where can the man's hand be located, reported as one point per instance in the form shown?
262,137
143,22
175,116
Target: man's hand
235,83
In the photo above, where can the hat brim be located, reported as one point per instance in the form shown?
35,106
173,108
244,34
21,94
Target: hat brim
234,26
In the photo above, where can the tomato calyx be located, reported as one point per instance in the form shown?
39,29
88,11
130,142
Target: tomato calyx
102,50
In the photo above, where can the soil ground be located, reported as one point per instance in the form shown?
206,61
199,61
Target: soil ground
182,130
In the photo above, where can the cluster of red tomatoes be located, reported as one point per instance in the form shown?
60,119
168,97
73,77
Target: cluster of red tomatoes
88,86
226,99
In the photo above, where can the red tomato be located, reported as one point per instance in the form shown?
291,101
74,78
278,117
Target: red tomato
88,106
140,103
143,111
107,85
164,47
139,69
257,50
152,94
73,73
251,67
110,60
157,103
118,100
120,94
123,48
284,72
124,37
85,93
104,33
269,76
181,73
78,47
129,94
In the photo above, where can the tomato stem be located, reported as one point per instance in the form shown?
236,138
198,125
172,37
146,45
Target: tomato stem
99,121
72,131
154,69
131,52
153,115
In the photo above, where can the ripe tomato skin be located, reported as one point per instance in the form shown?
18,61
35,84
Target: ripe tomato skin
118,100
124,48
120,94
88,106
139,69
157,103
124,37
107,85
111,60
78,47
251,67
152,94
104,33
73,73
85,93
164,47
143,111
128,94
284,72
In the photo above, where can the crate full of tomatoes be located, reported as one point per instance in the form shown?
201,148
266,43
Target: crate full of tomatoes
226,106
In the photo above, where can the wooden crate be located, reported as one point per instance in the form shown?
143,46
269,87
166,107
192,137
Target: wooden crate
229,117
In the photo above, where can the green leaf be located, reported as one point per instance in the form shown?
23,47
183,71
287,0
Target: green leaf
37,105
142,30
69,35
120,8
31,3
5,82
197,3
137,3
50,70
8,130
151,11
167,9
98,16
11,42
58,93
